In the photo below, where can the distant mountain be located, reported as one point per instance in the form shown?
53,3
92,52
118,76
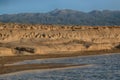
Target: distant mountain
66,17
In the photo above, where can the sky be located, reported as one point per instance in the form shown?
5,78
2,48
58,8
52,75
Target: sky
36,6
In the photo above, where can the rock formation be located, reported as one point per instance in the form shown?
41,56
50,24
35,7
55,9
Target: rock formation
17,39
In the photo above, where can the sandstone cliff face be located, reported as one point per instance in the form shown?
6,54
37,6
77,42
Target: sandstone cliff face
45,39
6,51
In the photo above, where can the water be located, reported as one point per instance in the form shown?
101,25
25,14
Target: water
105,67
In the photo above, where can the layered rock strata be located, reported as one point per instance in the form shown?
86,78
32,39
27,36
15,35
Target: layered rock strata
17,39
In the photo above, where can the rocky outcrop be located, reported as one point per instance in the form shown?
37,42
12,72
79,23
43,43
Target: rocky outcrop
46,39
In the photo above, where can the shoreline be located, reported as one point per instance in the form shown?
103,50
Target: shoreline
48,66
43,70
5,69
19,58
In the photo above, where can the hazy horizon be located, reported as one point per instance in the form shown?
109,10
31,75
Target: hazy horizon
36,6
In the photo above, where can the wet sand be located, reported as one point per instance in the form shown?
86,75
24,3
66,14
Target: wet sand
16,68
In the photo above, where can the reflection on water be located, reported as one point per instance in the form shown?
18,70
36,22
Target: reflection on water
106,67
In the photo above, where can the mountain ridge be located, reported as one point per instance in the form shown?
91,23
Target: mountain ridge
66,17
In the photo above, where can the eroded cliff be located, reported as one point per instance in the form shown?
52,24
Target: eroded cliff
17,39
